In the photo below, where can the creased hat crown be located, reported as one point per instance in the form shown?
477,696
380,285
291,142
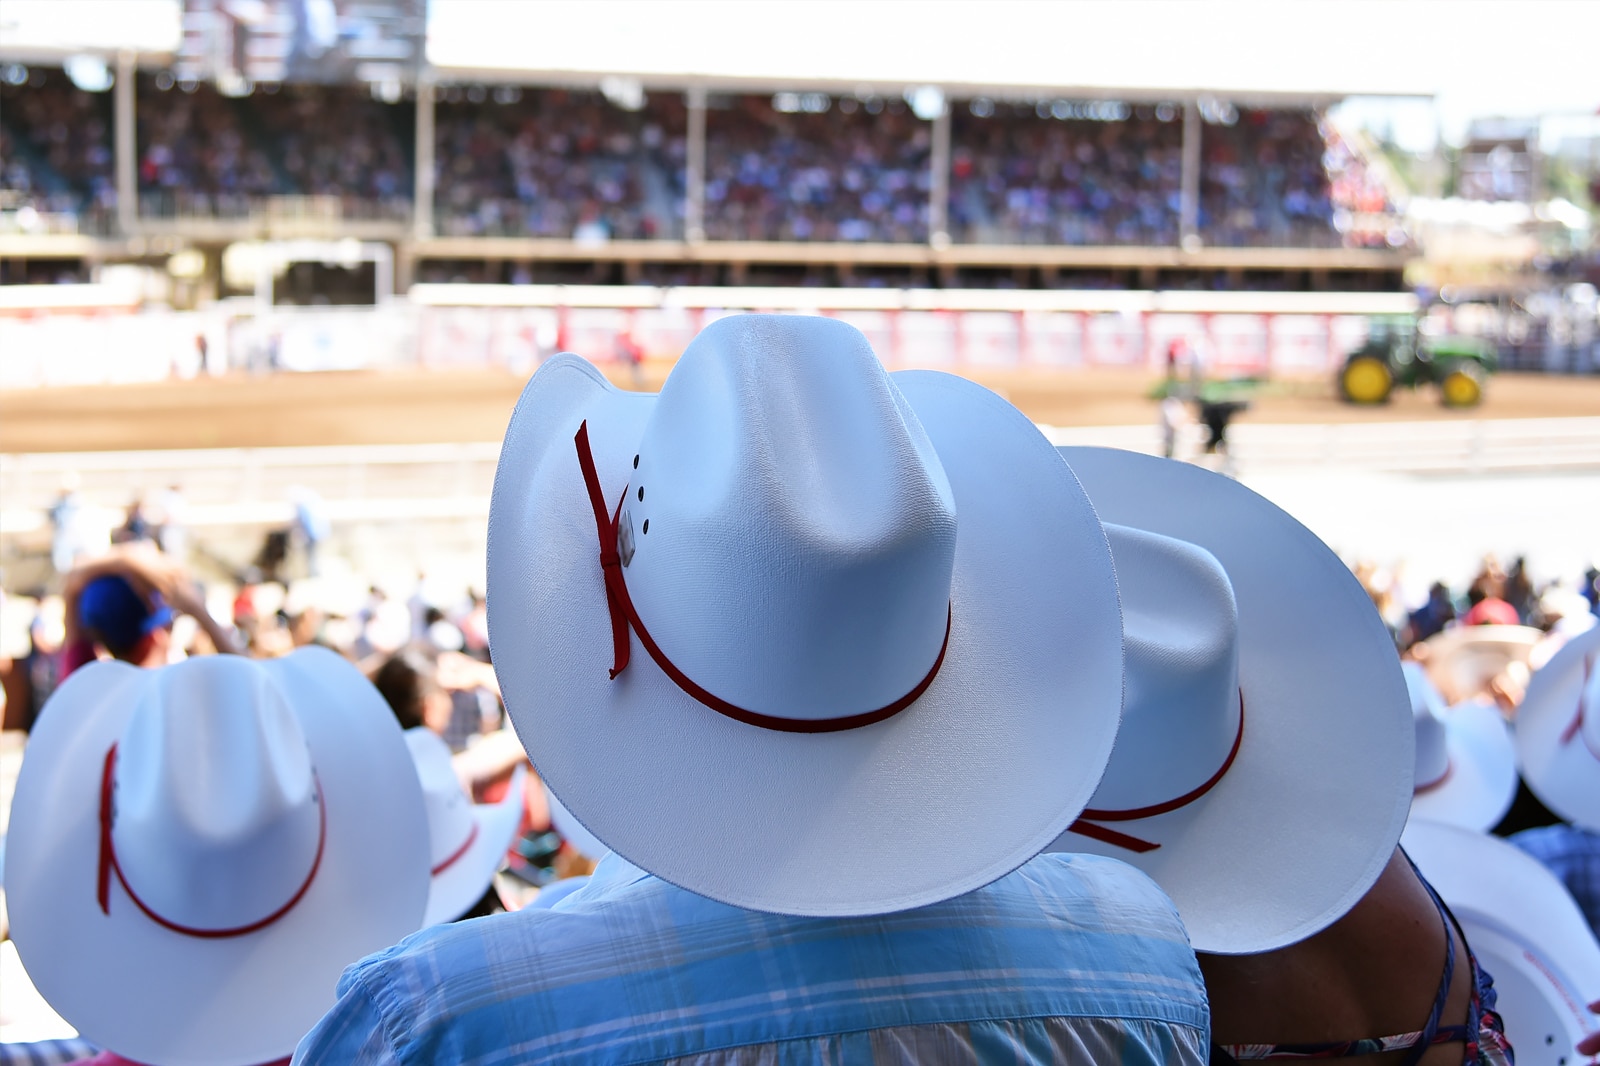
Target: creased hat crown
782,457
215,797
1180,629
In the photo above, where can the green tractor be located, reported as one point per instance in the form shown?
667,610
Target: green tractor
1397,353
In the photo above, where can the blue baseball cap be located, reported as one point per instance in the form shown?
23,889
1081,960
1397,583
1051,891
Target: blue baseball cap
117,616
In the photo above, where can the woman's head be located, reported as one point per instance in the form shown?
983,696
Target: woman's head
408,681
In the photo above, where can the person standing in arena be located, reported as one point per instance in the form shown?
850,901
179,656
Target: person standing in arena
793,638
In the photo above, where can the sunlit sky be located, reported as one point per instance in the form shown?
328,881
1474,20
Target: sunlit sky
1473,57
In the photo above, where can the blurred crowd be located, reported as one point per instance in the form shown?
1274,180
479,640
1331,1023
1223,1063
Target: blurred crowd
1530,617
558,163
1262,181
1016,177
55,144
858,172
574,164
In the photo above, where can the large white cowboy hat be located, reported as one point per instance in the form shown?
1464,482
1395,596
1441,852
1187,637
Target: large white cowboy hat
1263,771
467,841
198,851
1558,732
1466,762
869,621
1525,930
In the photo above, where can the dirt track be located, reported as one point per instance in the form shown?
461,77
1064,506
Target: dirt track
430,407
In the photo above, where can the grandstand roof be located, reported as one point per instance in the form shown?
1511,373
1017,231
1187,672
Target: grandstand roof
1155,50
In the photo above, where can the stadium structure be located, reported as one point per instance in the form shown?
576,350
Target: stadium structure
283,181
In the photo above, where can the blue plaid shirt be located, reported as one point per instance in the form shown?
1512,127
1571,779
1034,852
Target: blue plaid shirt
1573,855
1071,959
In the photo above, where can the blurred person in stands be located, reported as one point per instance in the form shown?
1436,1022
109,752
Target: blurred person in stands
172,516
136,527
1558,744
74,532
40,670
1431,618
1265,704
123,606
843,864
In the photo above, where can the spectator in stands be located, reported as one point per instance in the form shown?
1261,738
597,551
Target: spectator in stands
640,759
123,605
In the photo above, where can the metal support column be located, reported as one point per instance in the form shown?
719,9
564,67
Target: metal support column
694,208
126,148
939,186
1189,194
422,196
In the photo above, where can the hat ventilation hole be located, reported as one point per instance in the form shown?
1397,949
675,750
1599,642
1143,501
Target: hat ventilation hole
636,462
646,527
641,493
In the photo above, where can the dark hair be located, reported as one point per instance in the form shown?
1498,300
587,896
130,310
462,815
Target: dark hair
406,679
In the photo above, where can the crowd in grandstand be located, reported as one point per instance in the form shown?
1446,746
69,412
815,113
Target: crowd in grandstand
793,167
1019,177
558,164
55,144
857,172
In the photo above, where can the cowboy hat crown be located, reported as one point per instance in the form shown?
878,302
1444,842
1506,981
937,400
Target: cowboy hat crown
811,479
1180,712
215,810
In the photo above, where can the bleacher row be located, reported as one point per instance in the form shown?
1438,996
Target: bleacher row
570,164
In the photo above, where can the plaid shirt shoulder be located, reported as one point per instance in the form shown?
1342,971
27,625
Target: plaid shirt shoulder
1573,855
1072,958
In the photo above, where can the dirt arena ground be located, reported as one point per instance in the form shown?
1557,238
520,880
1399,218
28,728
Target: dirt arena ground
418,407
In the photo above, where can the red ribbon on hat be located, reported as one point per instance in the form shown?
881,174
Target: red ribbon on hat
109,865
1575,727
623,616
1085,826
1449,768
455,856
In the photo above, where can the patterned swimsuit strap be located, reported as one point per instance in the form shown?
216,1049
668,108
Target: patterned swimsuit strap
1417,1042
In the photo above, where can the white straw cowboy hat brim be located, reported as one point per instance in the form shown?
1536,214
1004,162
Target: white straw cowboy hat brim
1526,931
468,841
1558,732
1290,834
196,998
961,780
1480,780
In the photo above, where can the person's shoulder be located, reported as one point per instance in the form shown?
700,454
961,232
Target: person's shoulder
1558,842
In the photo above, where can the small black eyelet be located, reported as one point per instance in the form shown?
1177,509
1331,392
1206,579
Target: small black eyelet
646,527
641,493
636,462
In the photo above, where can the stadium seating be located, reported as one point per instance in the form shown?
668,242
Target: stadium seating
792,167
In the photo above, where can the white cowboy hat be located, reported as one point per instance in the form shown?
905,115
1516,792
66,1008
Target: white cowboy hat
467,841
1466,763
1558,732
194,850
869,621
1526,932
1263,771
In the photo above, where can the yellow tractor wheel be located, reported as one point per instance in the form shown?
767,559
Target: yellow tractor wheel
1462,387
1366,380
